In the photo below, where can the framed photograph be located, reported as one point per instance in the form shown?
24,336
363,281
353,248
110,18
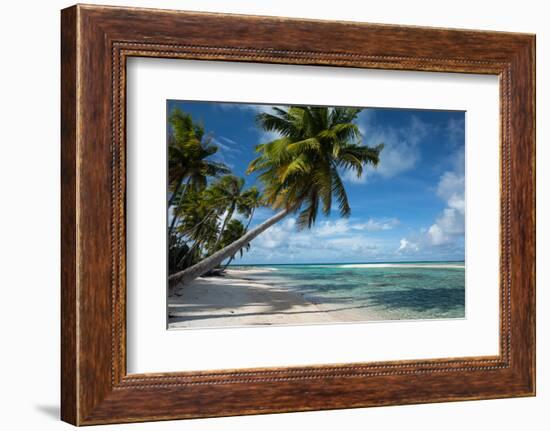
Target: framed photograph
266,215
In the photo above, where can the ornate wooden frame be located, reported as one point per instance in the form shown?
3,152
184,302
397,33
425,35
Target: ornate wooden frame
95,43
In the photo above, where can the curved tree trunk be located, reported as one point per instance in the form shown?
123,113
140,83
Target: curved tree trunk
224,224
246,230
249,219
171,201
189,274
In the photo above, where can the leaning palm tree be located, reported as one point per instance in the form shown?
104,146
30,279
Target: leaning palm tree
235,229
252,199
300,170
229,191
199,213
189,163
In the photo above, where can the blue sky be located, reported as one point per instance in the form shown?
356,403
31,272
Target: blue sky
410,208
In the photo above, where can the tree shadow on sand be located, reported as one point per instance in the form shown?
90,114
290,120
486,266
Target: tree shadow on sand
212,301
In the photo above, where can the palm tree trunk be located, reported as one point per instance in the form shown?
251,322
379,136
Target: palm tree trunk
174,218
189,274
245,230
249,219
171,200
224,224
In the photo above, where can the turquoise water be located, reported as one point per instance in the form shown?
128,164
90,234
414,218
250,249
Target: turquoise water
412,290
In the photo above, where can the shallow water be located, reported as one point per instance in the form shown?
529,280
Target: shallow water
413,290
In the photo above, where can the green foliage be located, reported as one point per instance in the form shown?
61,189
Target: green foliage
189,150
301,169
300,172
204,195
233,231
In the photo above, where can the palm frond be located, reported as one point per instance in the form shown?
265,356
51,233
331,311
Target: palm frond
339,192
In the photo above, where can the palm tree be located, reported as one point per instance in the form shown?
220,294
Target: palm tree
199,212
229,191
235,229
252,199
300,170
189,149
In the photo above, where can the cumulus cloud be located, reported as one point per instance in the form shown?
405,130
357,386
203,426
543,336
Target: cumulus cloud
344,226
375,225
276,235
406,245
327,228
448,229
401,147
450,223
329,241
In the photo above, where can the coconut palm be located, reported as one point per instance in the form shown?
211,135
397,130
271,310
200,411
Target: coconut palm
230,197
198,226
189,166
300,170
199,213
228,191
252,199
235,229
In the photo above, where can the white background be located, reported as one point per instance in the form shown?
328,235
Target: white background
153,349
29,225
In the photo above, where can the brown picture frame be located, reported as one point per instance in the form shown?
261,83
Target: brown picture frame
95,43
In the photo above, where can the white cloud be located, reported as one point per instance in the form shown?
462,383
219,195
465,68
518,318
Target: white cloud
406,245
276,235
447,231
375,225
344,226
450,223
401,147
224,148
448,228
451,184
355,244
398,155
328,241
436,235
455,132
229,141
229,145
326,228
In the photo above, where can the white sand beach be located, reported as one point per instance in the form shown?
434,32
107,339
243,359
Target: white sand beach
234,300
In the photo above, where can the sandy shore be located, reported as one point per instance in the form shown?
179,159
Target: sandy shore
234,300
